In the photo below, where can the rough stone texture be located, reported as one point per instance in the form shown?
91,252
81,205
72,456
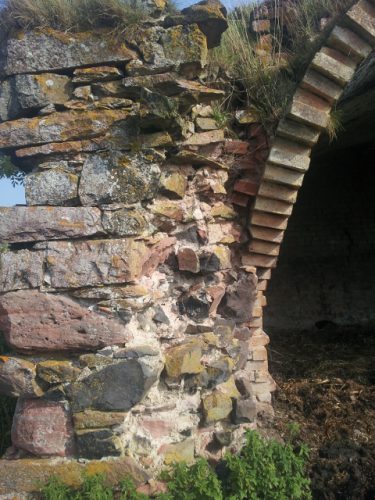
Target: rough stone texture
90,419
118,179
52,187
97,443
239,298
51,50
179,452
117,387
96,74
68,125
43,428
57,372
26,475
98,262
35,321
19,224
17,378
125,222
20,270
5,99
184,359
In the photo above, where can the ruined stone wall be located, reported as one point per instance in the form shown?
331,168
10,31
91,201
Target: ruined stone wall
133,328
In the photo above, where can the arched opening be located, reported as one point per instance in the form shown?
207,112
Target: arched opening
320,314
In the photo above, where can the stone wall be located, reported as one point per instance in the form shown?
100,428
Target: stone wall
133,328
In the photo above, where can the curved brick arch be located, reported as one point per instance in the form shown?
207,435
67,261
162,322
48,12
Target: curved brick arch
332,68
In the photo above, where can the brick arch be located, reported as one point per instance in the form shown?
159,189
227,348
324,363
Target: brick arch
332,68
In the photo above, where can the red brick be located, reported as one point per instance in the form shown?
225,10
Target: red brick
246,186
240,199
236,147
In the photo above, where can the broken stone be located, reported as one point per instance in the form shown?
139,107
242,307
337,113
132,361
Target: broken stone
239,299
19,224
204,138
93,361
116,178
35,321
20,270
17,378
179,452
160,316
117,387
188,260
184,359
96,74
195,304
124,222
206,124
97,444
42,428
246,410
90,419
216,406
57,372
174,184
51,50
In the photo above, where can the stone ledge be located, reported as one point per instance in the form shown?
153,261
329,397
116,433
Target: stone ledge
27,475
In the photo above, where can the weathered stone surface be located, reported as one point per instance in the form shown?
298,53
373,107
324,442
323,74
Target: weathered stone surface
66,126
335,65
20,270
195,304
90,419
124,222
43,428
96,74
33,92
17,377
179,452
290,154
184,359
348,42
52,187
18,224
5,100
117,387
265,204
298,132
99,262
51,50
361,18
97,443
283,176
28,474
239,298
204,138
35,321
210,15
216,406
246,410
118,178
57,372
188,260
310,109
174,184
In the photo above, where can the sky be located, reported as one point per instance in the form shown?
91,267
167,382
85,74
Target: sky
10,195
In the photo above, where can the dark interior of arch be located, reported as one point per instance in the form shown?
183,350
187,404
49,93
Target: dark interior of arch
326,268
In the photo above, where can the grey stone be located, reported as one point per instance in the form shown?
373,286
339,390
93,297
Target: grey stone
246,410
52,50
19,224
5,100
119,178
35,321
20,270
124,222
17,377
52,187
239,299
97,444
95,262
118,387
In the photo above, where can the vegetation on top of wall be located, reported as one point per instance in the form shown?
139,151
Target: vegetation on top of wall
265,74
9,171
264,469
72,15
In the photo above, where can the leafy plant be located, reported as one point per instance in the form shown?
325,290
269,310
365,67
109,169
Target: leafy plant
267,470
221,117
192,483
55,489
10,171
129,492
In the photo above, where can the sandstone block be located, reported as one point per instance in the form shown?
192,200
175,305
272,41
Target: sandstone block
246,410
265,219
188,260
34,321
117,178
117,387
361,19
174,184
264,247
283,176
52,187
68,125
335,65
19,224
203,138
259,260
20,270
42,428
5,100
216,406
90,419
290,155
267,234
179,452
57,372
52,50
349,43
184,359
97,262
206,123
17,378
310,109
278,192
96,74
264,204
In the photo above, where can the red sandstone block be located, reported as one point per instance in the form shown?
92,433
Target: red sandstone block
271,220
240,199
236,147
188,260
246,186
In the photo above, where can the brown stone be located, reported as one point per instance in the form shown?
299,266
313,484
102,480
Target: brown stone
43,428
17,378
188,260
361,19
349,43
278,192
216,406
179,452
184,359
174,184
90,419
273,206
310,109
35,321
96,74
202,138
281,175
57,372
18,224
261,26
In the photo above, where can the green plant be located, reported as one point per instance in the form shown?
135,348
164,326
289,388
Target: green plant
55,489
128,491
334,125
221,117
10,171
195,482
267,470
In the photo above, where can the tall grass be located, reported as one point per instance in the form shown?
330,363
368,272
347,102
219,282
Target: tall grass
72,15
266,78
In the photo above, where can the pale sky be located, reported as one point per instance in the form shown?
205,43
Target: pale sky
11,196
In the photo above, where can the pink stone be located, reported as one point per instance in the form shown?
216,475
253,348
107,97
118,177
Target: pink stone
157,427
35,321
43,428
188,260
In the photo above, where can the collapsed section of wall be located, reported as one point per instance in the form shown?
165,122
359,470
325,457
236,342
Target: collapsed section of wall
133,328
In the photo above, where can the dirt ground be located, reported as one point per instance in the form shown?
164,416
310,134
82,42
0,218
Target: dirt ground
326,390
